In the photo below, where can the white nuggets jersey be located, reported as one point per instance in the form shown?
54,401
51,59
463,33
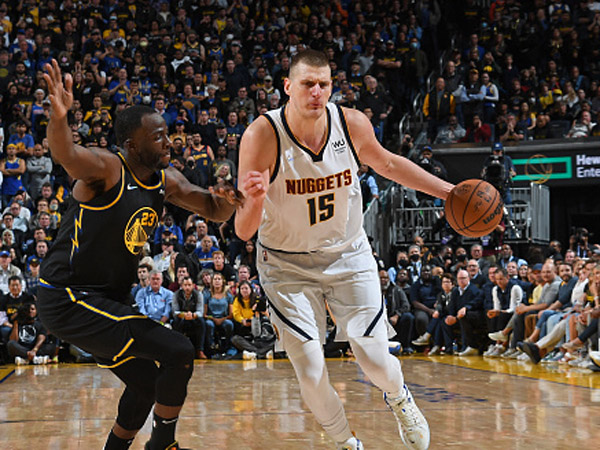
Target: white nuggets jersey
314,200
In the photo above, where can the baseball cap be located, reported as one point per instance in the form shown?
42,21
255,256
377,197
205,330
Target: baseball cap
180,122
535,267
4,253
497,146
94,61
268,78
11,146
34,262
168,242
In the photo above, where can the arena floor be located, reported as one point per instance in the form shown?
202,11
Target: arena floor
471,403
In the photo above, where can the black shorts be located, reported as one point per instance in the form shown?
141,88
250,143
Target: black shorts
111,331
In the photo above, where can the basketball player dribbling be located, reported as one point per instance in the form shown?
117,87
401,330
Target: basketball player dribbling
298,171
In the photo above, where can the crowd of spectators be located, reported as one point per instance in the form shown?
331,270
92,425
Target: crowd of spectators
515,71
519,71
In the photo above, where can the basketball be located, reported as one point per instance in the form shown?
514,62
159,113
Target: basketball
473,208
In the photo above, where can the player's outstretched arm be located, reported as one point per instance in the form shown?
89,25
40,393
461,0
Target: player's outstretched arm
79,162
216,204
385,163
258,152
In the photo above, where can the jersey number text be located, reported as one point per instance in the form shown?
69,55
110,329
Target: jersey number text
325,206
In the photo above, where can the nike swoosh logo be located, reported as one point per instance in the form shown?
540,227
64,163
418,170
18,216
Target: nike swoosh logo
131,187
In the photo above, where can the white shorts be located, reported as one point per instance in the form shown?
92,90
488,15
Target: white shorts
298,284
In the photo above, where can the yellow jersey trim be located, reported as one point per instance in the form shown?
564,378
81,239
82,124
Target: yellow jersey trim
123,350
99,311
105,366
159,184
101,208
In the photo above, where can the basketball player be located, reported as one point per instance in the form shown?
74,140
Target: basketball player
298,167
87,275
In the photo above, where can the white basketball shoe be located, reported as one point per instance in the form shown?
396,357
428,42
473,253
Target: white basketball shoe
412,425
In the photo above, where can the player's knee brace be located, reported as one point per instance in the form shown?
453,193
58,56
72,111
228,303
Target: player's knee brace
176,371
135,405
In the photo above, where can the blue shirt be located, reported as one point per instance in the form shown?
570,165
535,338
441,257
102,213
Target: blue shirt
154,304
219,307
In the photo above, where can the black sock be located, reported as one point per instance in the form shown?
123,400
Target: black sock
163,432
116,443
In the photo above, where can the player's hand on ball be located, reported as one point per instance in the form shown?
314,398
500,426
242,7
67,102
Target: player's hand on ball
254,184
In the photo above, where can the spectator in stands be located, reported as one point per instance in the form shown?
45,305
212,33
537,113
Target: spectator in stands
29,340
12,169
39,168
466,309
450,133
439,104
368,186
506,295
204,253
223,268
168,224
423,293
154,300
163,259
582,128
143,274
22,140
7,271
542,127
515,132
188,314
478,131
475,273
441,341
472,96
218,312
490,98
398,311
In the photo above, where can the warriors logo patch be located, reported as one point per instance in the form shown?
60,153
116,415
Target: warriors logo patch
141,225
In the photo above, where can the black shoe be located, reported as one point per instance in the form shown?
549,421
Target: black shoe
532,350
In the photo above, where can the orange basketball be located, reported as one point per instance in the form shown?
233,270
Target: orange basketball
474,208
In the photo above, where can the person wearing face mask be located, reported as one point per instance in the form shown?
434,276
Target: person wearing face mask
414,268
168,224
402,262
423,293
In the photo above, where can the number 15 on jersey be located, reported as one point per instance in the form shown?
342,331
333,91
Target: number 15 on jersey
321,208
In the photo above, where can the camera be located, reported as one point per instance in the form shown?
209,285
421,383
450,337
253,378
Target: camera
494,173
191,163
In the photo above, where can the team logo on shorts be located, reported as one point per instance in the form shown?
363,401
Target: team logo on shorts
141,225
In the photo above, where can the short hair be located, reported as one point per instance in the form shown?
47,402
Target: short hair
502,271
129,120
310,57
449,276
15,278
218,252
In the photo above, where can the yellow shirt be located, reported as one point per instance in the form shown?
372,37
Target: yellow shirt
242,311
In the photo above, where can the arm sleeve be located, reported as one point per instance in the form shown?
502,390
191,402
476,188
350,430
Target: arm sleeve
139,299
237,311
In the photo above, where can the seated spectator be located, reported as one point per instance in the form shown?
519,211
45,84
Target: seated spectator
255,336
398,310
29,341
476,275
163,259
248,258
8,271
168,224
542,127
582,128
22,140
218,313
442,342
205,252
143,273
10,304
220,266
478,131
450,133
514,131
32,277
154,300
181,272
423,294
466,309
188,314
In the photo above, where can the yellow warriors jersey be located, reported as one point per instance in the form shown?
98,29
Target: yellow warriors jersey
314,199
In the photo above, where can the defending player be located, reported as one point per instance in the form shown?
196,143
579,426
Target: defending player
87,275
298,167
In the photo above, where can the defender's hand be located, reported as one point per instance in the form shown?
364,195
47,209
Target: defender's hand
59,94
226,190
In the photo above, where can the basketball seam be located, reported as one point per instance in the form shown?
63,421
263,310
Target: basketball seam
486,211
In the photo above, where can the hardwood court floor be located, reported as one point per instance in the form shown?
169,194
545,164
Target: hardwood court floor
471,403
